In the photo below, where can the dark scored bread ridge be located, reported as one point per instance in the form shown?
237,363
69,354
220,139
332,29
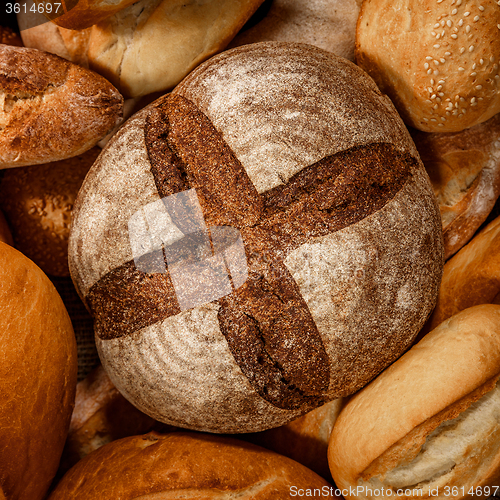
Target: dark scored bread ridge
266,322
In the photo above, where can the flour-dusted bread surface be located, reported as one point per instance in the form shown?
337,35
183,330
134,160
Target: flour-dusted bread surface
37,377
298,151
437,60
470,277
464,168
51,109
327,24
184,465
431,419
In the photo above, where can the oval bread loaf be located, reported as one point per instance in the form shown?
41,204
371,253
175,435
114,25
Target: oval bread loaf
38,369
306,181
184,465
437,60
51,109
430,422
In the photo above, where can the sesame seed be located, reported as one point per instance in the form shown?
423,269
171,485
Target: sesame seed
473,73
456,105
426,65
492,59
439,87
429,58
498,25
459,2
442,60
454,35
474,66
481,61
425,119
471,48
449,23
428,101
464,110
441,94
447,54
433,33
443,119
455,112
479,98
435,72
461,22
436,25
433,96
433,120
474,104
438,99
448,113
462,99
479,87
436,62
461,69
467,29
462,50
432,81
442,33
438,36
453,12
466,14
436,106
429,71
481,8
497,77
442,22
441,81
473,100
436,46
440,125
476,19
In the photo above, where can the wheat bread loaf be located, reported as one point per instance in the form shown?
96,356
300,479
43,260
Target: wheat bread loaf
314,194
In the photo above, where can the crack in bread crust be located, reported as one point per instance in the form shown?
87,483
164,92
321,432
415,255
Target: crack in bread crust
266,322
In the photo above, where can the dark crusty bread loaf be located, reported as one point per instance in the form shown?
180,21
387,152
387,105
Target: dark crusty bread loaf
52,109
334,241
184,465
430,422
37,377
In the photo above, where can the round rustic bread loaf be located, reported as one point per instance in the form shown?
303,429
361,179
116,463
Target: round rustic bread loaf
38,202
437,60
184,465
52,109
37,377
464,168
430,422
327,241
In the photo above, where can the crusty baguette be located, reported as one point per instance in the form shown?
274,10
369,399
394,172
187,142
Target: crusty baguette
51,109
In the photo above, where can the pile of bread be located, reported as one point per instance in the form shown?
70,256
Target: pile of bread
281,217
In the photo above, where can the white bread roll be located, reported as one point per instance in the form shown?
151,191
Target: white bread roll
431,420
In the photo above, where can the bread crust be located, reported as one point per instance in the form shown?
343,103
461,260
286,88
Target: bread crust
38,368
302,260
436,380
438,62
329,25
52,109
464,168
193,465
471,277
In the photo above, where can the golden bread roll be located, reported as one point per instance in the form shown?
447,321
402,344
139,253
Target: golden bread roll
52,109
464,168
38,202
151,45
184,465
37,377
327,24
305,439
436,60
430,422
470,277
81,14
